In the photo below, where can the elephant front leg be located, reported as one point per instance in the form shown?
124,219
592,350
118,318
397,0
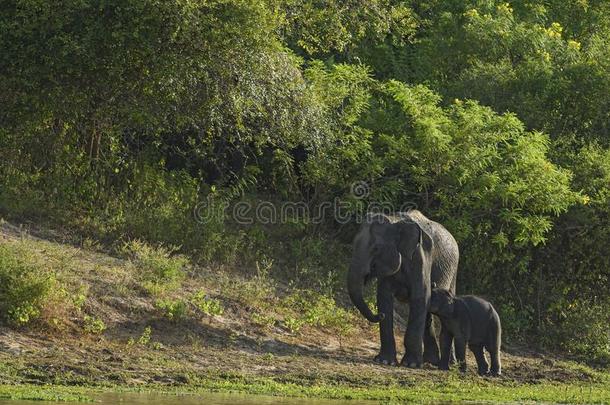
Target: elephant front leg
414,337
385,305
446,349
482,365
460,353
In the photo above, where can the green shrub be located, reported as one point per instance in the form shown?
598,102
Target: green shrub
78,300
324,312
582,328
143,339
160,270
316,310
25,286
208,306
93,325
172,309
266,321
516,322
314,267
293,324
169,198
18,196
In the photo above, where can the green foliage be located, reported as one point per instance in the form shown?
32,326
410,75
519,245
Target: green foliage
293,324
572,267
93,325
25,286
261,319
344,26
79,301
314,267
209,306
567,332
172,309
516,321
159,269
316,310
143,339
481,172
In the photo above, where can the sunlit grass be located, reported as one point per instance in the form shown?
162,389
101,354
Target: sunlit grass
455,389
44,393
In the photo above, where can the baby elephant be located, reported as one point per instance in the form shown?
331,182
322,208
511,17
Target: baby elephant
467,320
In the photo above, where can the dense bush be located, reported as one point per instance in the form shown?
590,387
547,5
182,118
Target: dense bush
25,287
159,270
136,120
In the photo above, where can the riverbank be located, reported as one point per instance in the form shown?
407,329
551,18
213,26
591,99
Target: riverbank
110,323
455,388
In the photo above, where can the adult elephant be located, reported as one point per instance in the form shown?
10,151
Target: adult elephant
406,253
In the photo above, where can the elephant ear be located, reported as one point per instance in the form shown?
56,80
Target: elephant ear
416,246
416,243
421,255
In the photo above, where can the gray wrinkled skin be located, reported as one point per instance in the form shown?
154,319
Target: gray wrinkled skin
468,321
405,253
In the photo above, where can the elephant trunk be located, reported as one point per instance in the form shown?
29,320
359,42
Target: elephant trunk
355,287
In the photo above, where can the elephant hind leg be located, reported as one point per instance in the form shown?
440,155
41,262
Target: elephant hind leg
431,351
494,354
493,346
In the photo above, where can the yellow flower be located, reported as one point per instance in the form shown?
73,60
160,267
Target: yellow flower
555,30
472,13
556,27
505,7
574,45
